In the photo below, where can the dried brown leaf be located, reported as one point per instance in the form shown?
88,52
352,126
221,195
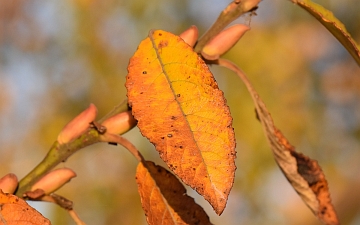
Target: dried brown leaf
303,173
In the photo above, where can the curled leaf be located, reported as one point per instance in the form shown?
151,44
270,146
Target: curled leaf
330,22
306,177
181,110
303,173
164,198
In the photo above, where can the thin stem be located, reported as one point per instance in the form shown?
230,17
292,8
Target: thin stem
64,203
264,115
114,138
76,218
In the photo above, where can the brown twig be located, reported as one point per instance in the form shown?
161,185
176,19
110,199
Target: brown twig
76,218
259,104
63,203
118,139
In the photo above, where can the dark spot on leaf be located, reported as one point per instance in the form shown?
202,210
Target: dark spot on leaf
178,95
173,117
144,72
160,34
306,168
169,135
162,44
257,115
323,210
162,137
181,146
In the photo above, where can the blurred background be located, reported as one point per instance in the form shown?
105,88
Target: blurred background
57,57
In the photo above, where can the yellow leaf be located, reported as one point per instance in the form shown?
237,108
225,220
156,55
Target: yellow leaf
164,198
14,210
330,22
181,110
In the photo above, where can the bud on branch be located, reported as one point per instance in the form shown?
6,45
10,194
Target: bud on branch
78,125
119,123
190,35
54,180
224,41
9,183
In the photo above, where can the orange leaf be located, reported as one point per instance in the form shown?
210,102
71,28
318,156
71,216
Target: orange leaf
164,198
14,210
181,110
303,173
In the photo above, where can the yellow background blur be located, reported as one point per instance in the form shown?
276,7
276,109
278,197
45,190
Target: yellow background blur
57,57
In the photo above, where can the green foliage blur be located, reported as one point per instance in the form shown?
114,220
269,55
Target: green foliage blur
57,57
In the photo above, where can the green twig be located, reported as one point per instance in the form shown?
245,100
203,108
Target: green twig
57,154
233,11
60,153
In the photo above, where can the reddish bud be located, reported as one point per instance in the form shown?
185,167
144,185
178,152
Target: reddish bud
224,41
120,123
54,180
190,35
9,183
78,125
